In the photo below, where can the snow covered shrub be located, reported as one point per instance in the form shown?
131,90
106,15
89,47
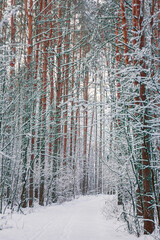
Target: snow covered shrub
111,209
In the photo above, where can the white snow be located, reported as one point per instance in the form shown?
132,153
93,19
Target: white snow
80,219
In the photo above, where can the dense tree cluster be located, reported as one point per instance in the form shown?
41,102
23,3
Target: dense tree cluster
80,104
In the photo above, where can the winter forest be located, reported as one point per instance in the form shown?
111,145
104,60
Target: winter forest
80,105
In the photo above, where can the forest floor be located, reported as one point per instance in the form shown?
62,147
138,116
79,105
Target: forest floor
85,218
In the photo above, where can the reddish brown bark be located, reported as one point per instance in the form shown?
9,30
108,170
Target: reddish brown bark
146,171
13,32
125,31
134,20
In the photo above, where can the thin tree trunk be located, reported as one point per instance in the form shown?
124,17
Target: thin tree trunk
25,140
44,96
58,100
96,140
125,31
12,65
85,131
72,86
37,58
100,169
29,59
67,44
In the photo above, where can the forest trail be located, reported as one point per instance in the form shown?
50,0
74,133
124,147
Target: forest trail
80,219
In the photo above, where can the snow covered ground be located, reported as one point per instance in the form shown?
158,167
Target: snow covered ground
80,219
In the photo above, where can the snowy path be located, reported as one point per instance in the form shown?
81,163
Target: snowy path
81,219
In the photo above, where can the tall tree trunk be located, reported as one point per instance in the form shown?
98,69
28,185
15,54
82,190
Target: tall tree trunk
25,140
135,22
85,130
44,98
37,66
118,85
96,140
29,60
100,180
146,170
58,101
72,143
67,44
12,68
